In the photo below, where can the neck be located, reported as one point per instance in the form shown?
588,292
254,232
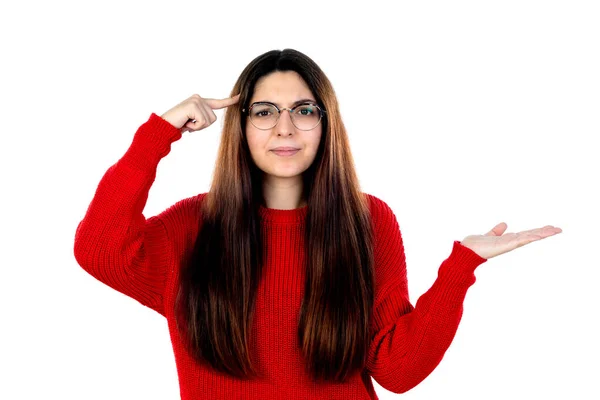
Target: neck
283,193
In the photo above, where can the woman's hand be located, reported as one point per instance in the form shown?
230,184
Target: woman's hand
196,113
494,243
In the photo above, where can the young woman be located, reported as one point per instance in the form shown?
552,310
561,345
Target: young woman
284,280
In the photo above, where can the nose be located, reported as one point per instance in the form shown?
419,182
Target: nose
285,125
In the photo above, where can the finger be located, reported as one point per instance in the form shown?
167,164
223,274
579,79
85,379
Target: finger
189,126
201,120
498,230
526,237
547,230
222,103
210,115
205,115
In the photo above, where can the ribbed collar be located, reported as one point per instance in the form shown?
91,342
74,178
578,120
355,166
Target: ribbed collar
294,215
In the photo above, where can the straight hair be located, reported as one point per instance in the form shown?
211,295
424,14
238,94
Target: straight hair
219,280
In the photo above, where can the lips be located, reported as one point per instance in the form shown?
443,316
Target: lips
285,148
285,152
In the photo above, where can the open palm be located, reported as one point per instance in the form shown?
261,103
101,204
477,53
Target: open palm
495,242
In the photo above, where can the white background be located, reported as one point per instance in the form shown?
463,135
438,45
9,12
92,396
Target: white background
461,115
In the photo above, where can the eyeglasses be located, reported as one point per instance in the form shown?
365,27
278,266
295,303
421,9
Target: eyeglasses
304,116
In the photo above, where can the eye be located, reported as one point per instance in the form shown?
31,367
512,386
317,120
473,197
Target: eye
262,113
263,110
306,110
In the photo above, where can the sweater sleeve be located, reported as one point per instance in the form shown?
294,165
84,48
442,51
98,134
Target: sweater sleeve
410,341
114,242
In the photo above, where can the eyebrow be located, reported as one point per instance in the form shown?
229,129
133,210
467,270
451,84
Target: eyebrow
295,103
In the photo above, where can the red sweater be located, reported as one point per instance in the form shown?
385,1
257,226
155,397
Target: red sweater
140,257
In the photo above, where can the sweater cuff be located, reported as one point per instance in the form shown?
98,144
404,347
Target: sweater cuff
459,268
151,142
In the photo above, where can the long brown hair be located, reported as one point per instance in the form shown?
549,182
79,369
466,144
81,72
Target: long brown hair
218,284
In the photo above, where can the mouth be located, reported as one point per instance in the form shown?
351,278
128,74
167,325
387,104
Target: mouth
286,148
286,152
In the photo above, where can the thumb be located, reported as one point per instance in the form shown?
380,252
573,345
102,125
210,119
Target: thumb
498,230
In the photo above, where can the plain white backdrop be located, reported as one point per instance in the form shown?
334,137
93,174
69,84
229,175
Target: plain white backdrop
461,115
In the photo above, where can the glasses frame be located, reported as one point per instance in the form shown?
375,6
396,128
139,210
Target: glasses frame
279,110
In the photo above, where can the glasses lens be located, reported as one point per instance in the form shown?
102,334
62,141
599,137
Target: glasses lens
264,116
304,117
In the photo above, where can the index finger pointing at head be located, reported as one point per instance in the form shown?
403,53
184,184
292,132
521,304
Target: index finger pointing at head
221,103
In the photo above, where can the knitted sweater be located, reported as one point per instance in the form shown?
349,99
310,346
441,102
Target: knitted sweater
140,257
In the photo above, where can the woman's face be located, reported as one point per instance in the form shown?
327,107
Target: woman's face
283,88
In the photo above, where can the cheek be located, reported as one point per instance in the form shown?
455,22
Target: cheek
254,141
316,140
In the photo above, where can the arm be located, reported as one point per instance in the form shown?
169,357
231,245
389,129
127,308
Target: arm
114,242
409,342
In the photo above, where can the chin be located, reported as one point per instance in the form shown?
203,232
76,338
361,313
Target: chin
282,175
283,172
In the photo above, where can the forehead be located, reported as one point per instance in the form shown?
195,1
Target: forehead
281,87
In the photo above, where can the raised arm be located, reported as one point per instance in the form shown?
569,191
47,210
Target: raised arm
410,341
114,242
